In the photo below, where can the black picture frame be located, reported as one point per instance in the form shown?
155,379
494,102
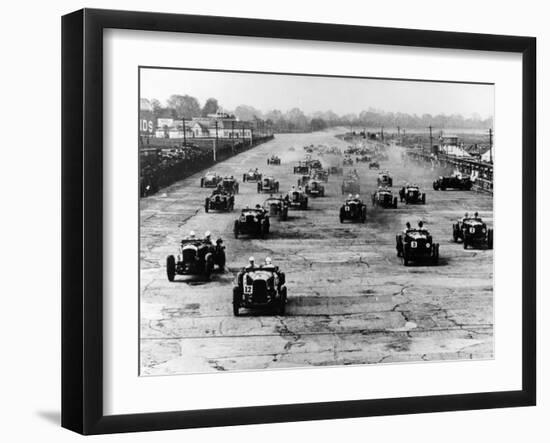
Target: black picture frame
82,215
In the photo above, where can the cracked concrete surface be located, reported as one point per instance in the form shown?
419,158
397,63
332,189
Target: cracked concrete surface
351,301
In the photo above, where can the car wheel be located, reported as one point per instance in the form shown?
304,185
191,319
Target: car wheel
206,205
405,258
282,302
221,260
490,239
202,182
208,266
236,301
259,188
435,254
236,229
435,186
455,234
170,267
395,202
465,243
244,178
423,199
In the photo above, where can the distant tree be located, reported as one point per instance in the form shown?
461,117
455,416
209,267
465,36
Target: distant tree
184,106
156,105
247,113
210,107
318,124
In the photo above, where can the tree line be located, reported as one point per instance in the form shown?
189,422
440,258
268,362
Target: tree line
295,120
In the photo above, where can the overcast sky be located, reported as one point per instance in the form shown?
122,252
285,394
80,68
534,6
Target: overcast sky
341,95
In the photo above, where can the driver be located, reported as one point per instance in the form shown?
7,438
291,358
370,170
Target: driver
251,265
208,238
268,264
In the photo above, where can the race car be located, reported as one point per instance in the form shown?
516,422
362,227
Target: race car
417,245
363,159
230,184
303,180
210,180
411,194
455,182
473,232
348,161
315,188
297,198
273,160
384,197
336,170
252,221
320,174
350,185
219,200
196,257
276,206
260,287
374,165
252,176
301,168
353,209
314,164
268,184
384,179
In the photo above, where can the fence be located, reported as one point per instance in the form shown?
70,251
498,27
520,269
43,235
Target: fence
165,161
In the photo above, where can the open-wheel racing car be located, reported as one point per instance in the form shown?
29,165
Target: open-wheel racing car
268,184
230,184
219,200
210,180
473,232
353,209
321,174
417,245
304,180
273,160
277,206
252,221
315,188
196,257
301,168
297,198
260,287
336,170
348,161
411,194
384,197
363,159
374,165
455,182
252,176
384,179
350,185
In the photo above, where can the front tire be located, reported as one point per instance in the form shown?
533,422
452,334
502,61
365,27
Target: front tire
170,267
236,301
490,239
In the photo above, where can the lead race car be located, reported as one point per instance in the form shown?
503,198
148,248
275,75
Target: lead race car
473,232
210,180
276,206
411,194
252,176
353,209
260,287
384,197
219,200
196,257
268,184
456,181
252,221
417,245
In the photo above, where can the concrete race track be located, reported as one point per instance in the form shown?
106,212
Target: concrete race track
350,299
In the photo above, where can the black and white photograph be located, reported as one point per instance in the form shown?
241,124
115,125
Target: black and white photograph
298,221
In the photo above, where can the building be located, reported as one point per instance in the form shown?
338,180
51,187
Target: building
146,118
218,125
